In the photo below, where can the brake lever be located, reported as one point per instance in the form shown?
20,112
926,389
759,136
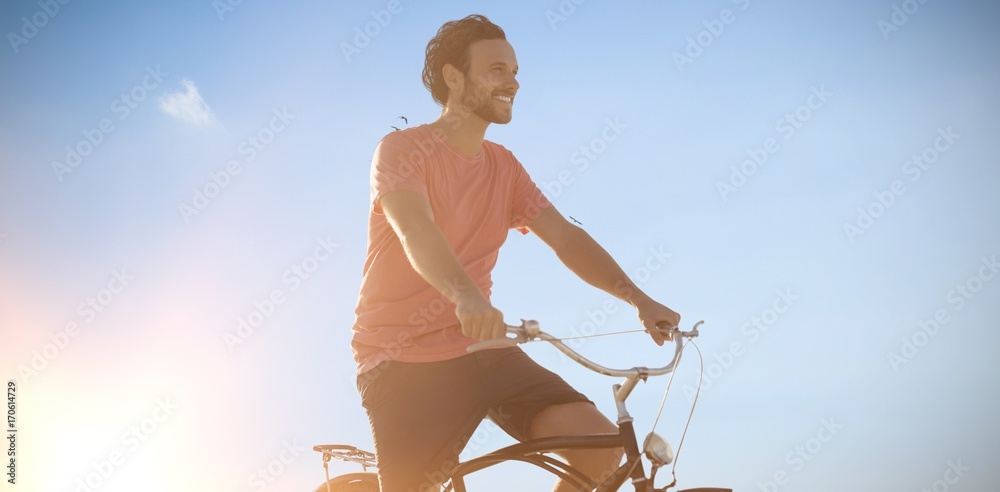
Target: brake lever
676,331
691,334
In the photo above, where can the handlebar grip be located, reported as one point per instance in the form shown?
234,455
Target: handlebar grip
489,344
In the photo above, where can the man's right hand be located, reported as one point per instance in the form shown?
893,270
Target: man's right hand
478,318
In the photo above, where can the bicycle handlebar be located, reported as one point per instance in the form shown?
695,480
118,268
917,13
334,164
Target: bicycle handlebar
530,330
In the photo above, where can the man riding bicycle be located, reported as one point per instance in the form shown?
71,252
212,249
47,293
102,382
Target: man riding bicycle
442,202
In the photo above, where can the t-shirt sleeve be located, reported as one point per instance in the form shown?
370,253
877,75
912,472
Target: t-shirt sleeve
396,166
528,199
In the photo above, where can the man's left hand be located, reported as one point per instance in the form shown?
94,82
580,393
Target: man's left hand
658,319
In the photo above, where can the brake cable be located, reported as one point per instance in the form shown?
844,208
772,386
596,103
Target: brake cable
701,374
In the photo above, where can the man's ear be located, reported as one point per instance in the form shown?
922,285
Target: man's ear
453,77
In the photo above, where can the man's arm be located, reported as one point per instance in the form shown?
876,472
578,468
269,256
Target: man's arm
589,261
410,215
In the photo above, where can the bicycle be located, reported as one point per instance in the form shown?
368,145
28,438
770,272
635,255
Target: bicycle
655,448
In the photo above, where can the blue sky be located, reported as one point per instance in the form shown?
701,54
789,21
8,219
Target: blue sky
171,284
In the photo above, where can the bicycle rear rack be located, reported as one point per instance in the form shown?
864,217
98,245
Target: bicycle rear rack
346,452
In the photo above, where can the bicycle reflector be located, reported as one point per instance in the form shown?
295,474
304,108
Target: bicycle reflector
658,450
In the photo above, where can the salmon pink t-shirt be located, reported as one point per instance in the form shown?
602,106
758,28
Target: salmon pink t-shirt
475,201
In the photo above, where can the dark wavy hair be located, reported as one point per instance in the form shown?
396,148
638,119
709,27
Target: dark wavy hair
451,46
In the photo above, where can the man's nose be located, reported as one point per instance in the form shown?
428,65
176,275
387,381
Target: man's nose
511,83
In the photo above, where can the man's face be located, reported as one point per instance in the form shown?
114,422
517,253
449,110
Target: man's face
489,88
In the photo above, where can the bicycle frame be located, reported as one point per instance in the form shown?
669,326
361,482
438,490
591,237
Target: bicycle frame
530,451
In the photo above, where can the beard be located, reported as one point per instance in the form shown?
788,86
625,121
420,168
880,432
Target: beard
480,102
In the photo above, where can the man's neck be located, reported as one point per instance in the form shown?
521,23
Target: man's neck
462,130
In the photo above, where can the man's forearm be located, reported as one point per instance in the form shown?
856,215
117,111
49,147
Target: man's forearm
432,257
592,263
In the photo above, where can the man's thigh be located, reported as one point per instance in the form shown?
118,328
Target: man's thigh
422,415
536,403
570,419
576,419
519,390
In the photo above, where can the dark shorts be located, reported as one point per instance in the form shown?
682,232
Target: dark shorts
423,413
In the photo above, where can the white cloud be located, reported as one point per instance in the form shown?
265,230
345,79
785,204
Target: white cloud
187,106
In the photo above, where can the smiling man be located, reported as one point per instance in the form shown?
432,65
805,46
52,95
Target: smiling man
442,202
